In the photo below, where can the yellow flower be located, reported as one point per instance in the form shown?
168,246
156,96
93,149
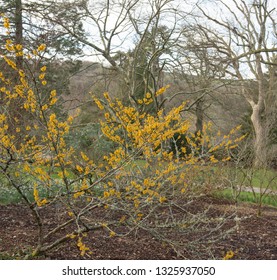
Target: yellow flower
44,82
41,48
82,247
37,199
162,90
213,159
79,168
85,158
53,101
148,95
106,95
98,103
140,215
42,202
226,159
106,194
10,63
44,107
10,46
70,119
53,93
229,255
233,146
112,233
2,117
21,73
18,47
162,199
41,76
77,194
43,68
6,23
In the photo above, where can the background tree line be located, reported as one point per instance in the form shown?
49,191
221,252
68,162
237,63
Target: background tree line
138,46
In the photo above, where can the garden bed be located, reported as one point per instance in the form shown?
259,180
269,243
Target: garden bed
255,238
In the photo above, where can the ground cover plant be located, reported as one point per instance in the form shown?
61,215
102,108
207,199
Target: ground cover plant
139,188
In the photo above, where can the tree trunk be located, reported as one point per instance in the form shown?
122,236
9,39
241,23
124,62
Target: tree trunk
199,111
260,138
18,30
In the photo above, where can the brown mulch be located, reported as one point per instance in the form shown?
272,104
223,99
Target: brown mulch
256,237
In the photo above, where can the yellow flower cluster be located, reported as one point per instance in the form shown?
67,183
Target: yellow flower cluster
82,247
142,135
142,131
37,199
6,22
162,90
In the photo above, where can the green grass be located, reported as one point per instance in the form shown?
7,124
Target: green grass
263,179
256,178
248,197
259,178
9,195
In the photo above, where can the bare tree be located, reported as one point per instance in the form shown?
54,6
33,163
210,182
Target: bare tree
198,76
245,38
133,38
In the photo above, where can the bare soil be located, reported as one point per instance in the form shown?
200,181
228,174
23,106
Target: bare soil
256,237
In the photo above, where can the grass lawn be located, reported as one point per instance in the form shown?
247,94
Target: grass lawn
9,195
261,178
249,197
